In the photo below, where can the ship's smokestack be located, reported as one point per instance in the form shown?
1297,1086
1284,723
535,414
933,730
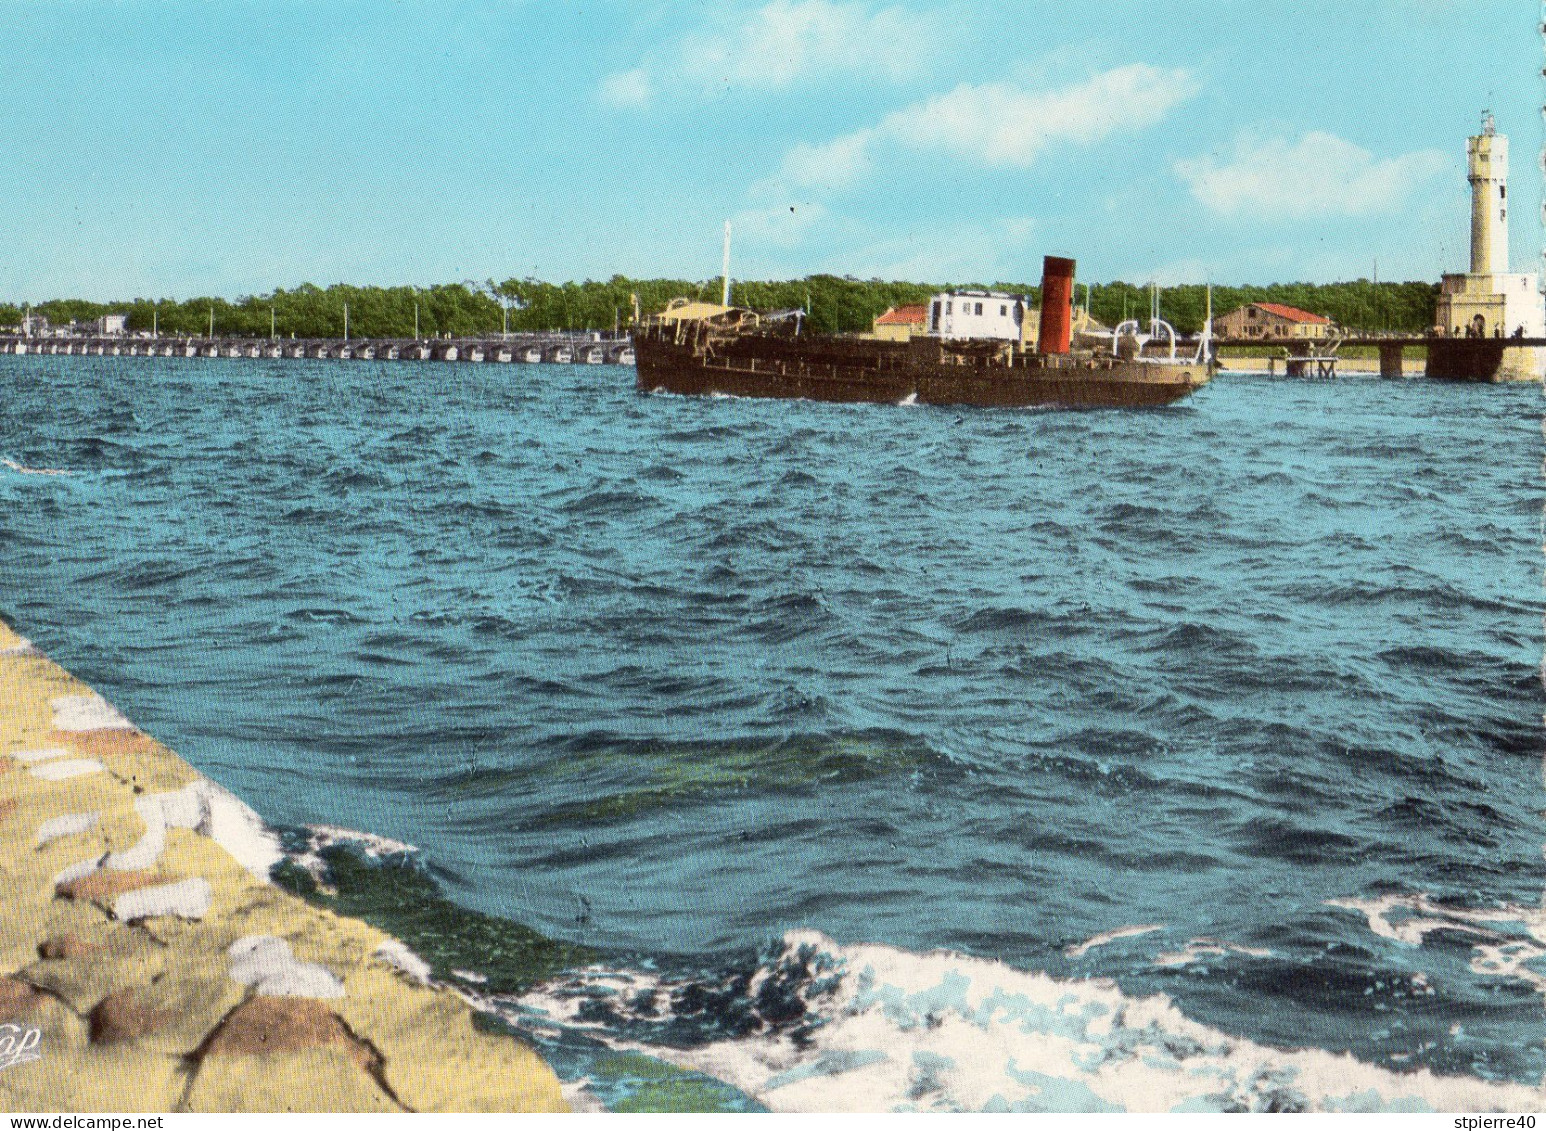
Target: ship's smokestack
1057,296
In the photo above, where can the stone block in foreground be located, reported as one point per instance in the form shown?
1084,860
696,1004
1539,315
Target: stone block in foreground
141,941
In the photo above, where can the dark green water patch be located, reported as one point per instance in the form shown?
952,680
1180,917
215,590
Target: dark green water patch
661,775
397,895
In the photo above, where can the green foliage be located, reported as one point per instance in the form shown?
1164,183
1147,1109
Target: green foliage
309,311
1359,305
836,304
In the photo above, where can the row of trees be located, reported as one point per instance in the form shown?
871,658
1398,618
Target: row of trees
1358,305
835,305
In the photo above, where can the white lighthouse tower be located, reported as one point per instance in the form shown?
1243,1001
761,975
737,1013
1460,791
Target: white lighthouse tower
1488,301
1487,170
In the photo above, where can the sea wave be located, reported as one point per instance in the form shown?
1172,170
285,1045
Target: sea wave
832,1027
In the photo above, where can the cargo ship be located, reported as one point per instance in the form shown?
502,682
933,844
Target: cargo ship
701,349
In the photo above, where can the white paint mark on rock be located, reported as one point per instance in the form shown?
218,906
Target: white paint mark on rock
187,899
71,824
266,963
211,811
28,757
87,712
397,955
231,824
66,768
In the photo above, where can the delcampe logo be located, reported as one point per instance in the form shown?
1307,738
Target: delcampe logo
18,1045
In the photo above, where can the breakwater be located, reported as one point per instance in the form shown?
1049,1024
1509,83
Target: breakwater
555,347
147,963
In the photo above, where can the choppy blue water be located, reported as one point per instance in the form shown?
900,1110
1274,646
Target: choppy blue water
673,677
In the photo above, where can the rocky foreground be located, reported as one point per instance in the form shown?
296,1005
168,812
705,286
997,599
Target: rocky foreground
147,963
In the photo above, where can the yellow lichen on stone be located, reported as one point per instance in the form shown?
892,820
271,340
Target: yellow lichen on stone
318,1079
127,958
433,1057
94,1079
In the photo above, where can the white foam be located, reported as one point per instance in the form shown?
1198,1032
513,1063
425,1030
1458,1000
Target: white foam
25,470
581,1099
1199,949
902,1031
186,899
398,956
1105,937
87,712
1422,915
325,836
265,963
1497,953
66,768
70,824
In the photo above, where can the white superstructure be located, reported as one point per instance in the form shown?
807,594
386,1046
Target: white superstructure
981,314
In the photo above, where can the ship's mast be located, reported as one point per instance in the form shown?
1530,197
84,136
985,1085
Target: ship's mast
724,298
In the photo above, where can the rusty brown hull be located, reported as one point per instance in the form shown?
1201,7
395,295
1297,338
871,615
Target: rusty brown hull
917,372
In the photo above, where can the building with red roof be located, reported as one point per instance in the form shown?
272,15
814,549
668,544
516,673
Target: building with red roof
1272,321
902,322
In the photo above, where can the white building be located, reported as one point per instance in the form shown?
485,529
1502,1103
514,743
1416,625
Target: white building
111,324
981,314
1489,301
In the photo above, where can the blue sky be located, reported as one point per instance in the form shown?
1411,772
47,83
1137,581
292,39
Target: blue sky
174,149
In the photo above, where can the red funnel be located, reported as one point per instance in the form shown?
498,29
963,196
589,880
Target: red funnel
1057,297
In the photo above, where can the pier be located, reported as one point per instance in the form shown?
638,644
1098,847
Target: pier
1448,358
541,348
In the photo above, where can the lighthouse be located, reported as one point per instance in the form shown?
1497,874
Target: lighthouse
1487,170
1489,301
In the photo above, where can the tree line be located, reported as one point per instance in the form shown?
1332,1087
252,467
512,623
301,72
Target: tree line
835,304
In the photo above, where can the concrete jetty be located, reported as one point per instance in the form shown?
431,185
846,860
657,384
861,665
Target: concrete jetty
147,964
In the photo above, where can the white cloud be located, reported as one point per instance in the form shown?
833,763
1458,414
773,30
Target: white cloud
627,88
780,44
994,124
1004,124
835,164
1318,175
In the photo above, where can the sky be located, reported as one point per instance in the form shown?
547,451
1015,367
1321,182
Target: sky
165,149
